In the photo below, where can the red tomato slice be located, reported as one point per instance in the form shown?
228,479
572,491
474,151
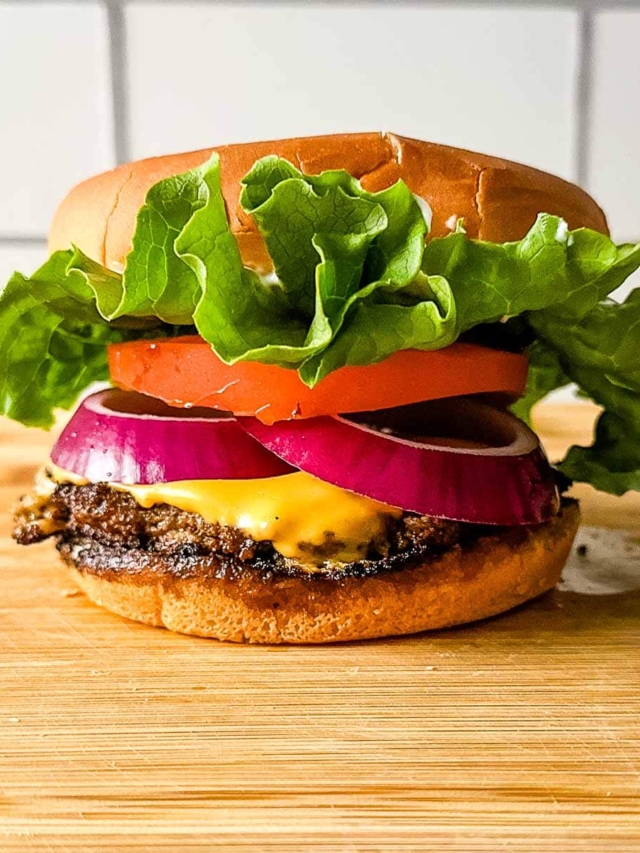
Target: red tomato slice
186,372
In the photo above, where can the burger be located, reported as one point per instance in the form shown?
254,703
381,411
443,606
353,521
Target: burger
318,359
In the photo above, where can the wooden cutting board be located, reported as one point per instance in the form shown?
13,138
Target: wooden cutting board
521,733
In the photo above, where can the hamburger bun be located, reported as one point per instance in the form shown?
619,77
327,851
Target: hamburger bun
461,585
498,199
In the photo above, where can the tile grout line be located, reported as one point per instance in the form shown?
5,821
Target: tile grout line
584,94
602,5
118,79
15,240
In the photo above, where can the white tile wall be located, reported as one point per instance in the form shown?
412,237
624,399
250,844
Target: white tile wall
495,79
55,107
630,284
26,259
614,176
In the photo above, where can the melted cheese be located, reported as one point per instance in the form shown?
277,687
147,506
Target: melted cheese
306,519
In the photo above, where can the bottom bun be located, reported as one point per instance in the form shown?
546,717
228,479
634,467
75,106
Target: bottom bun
463,584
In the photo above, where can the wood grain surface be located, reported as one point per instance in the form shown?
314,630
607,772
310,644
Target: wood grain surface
521,733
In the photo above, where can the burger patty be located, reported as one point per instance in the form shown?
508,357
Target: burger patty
111,525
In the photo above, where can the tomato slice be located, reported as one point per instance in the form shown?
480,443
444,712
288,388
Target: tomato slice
186,372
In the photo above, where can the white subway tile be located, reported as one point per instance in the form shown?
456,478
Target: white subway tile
632,283
55,107
614,175
495,79
18,257
568,394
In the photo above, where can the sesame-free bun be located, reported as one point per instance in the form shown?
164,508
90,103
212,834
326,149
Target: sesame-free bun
464,584
498,199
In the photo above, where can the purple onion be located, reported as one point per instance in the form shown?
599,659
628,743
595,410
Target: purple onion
458,459
122,437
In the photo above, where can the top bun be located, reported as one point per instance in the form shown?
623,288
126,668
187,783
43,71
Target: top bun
498,199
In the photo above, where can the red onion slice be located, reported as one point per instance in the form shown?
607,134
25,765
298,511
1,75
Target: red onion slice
122,437
457,459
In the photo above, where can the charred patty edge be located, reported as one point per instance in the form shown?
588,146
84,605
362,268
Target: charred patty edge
112,562
113,523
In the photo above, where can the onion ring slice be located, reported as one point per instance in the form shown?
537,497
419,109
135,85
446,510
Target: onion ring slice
458,459
121,437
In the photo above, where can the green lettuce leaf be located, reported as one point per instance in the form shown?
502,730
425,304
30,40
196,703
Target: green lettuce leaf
551,267
545,375
421,315
558,280
340,253
56,324
156,281
606,339
600,352
612,462
241,316
353,283
52,337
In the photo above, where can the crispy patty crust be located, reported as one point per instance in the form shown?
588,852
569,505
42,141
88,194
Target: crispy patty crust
114,532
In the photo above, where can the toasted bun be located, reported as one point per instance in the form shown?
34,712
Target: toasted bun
462,585
499,200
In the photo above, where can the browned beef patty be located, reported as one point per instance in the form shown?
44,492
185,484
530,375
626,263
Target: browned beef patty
110,525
